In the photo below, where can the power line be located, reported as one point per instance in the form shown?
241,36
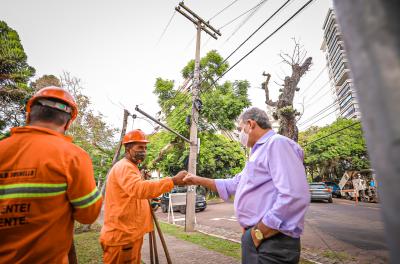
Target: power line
255,31
214,16
319,90
239,16
330,134
268,37
251,35
246,19
226,7
318,113
325,116
316,78
165,28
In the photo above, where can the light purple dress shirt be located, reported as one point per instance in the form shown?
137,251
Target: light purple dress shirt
272,186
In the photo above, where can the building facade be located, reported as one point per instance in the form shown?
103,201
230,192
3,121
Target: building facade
341,83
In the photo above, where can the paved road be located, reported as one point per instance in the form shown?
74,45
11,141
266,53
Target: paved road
341,226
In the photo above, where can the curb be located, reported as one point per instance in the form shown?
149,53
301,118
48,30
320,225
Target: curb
215,202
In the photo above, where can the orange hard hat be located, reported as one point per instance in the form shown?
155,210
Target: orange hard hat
53,92
135,135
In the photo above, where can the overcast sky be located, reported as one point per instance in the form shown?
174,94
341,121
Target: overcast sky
112,47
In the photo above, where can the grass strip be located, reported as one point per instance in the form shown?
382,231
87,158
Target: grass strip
225,247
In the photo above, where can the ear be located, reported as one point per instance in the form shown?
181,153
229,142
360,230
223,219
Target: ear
252,123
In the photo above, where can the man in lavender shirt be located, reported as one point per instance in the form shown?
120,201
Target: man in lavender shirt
271,193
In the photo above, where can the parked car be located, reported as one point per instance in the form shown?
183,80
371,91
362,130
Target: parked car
335,189
201,203
319,191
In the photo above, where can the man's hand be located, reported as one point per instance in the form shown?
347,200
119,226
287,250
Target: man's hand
256,242
191,179
267,233
178,178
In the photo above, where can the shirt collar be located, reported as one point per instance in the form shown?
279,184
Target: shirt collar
263,139
39,130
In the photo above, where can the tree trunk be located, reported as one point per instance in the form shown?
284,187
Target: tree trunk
285,112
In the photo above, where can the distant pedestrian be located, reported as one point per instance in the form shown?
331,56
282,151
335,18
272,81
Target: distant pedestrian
271,193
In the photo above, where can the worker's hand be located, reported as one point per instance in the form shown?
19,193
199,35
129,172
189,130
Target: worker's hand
191,179
178,178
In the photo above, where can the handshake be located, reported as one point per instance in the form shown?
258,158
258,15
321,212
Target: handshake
185,178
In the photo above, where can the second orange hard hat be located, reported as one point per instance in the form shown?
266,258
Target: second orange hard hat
135,135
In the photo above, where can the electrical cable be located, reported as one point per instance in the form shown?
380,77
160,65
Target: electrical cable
219,12
316,78
322,118
320,97
262,2
330,134
255,31
263,41
318,113
236,18
165,28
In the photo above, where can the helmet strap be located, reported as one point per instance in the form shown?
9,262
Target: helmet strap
67,125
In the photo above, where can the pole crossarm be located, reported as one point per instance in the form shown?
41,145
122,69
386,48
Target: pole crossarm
195,19
164,126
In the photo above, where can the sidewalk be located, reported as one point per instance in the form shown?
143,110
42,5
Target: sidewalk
183,252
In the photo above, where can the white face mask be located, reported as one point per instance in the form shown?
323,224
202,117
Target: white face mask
243,138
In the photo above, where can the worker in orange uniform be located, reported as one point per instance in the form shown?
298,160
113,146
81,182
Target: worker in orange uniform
127,216
45,183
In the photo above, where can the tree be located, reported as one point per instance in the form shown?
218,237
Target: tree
89,130
44,81
14,76
220,105
285,112
330,153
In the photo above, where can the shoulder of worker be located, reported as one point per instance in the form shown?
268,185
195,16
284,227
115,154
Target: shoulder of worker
124,167
46,138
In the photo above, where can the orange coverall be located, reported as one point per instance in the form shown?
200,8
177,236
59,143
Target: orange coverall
127,216
45,183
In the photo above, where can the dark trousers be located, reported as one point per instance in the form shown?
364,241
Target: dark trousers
275,250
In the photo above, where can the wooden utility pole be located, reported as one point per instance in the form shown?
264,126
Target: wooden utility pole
201,24
371,35
118,149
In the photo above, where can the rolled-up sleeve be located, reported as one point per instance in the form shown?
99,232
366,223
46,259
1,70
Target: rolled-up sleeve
227,187
289,179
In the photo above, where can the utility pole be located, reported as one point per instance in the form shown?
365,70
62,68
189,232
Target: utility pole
371,35
200,24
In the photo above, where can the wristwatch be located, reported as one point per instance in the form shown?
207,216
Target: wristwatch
258,234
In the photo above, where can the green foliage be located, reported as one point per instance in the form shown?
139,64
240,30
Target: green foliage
44,81
89,130
14,76
219,157
345,150
287,111
87,246
223,246
221,106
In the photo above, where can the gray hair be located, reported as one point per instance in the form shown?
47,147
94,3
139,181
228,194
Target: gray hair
257,115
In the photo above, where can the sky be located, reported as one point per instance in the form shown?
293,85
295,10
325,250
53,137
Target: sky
114,48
